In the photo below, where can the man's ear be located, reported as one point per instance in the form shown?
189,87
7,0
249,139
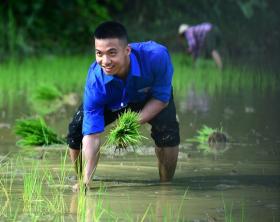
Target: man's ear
128,49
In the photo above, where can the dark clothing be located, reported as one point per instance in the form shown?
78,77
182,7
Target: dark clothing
165,128
212,41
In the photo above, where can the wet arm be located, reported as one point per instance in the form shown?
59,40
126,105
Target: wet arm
151,109
91,148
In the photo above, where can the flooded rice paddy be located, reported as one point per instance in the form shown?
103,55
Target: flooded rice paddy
237,182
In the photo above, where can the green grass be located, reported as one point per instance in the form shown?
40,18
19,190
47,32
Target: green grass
205,76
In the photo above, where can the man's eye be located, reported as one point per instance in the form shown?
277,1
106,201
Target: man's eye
113,53
98,53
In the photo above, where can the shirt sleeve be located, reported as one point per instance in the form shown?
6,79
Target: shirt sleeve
163,71
93,121
192,43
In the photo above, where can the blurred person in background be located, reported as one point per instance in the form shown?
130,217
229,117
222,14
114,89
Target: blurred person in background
203,40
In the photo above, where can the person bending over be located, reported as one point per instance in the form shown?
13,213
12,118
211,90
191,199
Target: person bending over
134,76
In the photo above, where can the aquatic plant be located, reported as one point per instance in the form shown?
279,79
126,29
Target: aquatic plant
35,132
126,131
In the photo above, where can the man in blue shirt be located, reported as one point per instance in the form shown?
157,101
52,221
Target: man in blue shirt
136,76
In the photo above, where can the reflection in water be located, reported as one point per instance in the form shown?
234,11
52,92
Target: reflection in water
215,149
195,101
87,207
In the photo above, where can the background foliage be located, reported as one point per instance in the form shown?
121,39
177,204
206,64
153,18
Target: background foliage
31,27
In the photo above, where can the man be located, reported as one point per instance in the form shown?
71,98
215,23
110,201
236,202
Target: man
136,76
202,39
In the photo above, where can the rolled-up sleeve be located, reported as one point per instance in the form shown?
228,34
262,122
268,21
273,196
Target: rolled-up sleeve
163,72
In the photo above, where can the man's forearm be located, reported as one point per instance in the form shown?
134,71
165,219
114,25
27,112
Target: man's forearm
151,109
91,148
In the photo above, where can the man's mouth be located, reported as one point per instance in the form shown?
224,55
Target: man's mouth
108,68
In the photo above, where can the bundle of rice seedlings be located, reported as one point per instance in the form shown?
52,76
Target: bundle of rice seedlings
126,131
204,133
46,99
35,132
211,140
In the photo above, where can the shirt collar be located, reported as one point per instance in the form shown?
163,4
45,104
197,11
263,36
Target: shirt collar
134,66
106,78
133,71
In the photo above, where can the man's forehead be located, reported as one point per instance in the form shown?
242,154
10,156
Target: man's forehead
108,44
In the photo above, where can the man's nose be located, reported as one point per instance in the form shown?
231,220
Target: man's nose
106,60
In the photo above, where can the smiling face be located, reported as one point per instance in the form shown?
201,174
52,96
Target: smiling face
112,54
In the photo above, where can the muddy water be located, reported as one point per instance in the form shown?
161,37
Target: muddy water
238,181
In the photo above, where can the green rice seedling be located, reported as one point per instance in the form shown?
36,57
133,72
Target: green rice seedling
56,205
8,174
7,201
146,213
126,131
228,212
99,209
62,169
35,132
88,210
32,189
81,209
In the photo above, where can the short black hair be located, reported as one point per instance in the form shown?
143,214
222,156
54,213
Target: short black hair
111,29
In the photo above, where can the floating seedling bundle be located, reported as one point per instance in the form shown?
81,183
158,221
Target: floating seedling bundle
211,140
35,132
204,134
126,131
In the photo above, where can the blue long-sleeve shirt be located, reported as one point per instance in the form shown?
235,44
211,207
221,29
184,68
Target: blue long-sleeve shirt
150,75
